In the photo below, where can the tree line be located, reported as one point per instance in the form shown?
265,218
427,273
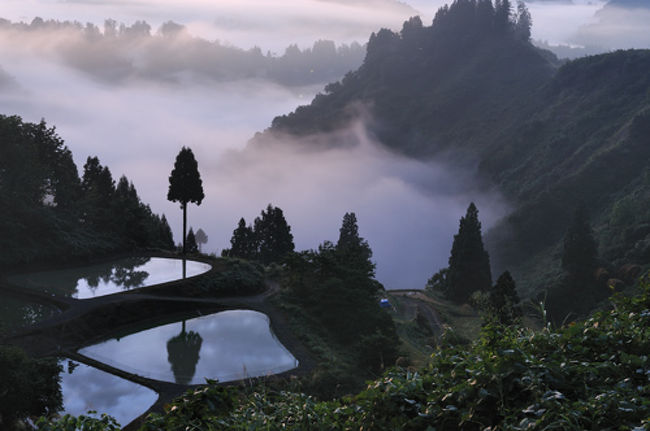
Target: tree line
50,213
135,51
468,278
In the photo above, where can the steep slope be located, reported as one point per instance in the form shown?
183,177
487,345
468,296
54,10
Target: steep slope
472,89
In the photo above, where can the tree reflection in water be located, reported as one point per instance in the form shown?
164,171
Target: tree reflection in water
183,355
121,273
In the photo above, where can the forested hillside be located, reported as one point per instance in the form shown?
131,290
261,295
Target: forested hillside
472,90
49,214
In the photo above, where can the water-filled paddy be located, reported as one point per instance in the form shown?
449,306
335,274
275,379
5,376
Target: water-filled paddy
226,346
86,388
16,313
107,278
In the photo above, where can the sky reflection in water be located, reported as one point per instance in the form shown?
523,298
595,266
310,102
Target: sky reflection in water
105,279
226,346
88,388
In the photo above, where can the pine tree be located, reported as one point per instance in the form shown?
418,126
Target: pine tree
273,234
469,263
353,249
165,233
185,184
243,243
191,242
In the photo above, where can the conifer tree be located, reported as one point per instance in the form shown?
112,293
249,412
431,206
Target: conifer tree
524,22
165,233
273,235
243,243
185,184
191,242
469,263
353,249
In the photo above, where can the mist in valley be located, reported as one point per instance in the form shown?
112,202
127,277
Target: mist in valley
136,98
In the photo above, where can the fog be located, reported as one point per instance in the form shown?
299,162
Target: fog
407,210
134,101
118,53
616,27
244,23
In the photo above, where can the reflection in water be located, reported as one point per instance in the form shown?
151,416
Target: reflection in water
86,388
16,313
104,279
183,355
235,344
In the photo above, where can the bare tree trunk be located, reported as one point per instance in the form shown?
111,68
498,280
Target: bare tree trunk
184,225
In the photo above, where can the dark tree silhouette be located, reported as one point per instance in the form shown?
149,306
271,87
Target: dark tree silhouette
524,22
273,235
503,300
183,355
98,188
352,248
243,243
579,258
185,184
192,247
165,233
469,263
201,238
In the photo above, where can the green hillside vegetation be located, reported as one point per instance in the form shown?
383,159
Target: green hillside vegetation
593,374
472,90
49,214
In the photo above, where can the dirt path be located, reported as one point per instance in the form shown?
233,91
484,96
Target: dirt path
423,304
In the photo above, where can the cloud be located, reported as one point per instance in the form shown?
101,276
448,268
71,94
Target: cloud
245,23
617,28
7,82
119,53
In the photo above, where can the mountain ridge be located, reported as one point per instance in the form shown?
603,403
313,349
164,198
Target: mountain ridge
472,90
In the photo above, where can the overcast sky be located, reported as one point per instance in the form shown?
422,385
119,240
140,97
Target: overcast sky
407,210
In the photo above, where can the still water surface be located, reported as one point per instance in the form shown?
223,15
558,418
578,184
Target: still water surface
226,346
105,279
86,388
16,313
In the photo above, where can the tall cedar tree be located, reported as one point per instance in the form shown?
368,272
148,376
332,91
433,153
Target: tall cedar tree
469,263
273,234
201,238
192,247
243,243
185,184
352,248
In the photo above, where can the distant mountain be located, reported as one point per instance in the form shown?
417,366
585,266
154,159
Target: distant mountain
473,90
629,3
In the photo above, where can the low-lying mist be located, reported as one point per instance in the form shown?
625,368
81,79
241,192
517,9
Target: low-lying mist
408,210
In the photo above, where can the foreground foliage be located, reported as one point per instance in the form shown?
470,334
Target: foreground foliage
590,375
